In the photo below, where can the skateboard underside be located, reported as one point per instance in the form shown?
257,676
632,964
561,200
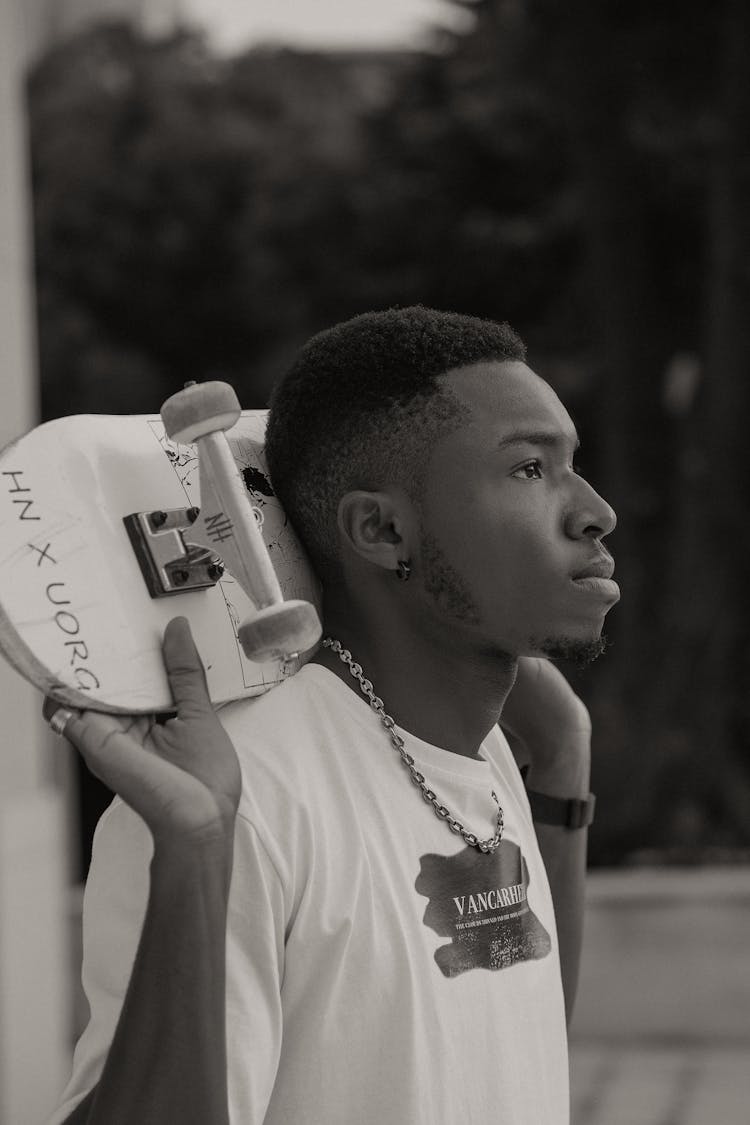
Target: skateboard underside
76,614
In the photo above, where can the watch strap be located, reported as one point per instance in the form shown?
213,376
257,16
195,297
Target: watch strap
562,812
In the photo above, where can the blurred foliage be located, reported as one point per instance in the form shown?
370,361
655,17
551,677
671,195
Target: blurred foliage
582,172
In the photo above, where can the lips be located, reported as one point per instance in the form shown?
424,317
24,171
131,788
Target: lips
595,579
599,567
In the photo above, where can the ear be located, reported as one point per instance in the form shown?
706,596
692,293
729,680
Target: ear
375,525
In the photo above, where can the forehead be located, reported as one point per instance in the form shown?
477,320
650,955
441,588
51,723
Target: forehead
506,397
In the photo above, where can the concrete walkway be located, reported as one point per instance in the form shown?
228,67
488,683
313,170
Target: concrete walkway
661,1034
649,1085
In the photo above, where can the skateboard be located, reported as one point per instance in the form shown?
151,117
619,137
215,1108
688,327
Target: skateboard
111,525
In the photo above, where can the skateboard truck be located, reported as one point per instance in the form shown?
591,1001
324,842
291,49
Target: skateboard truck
168,564
200,414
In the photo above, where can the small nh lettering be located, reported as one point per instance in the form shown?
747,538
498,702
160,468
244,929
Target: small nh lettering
219,527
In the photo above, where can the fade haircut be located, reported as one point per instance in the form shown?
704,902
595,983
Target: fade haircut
361,408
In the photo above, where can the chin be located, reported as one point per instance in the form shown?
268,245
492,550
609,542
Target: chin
581,651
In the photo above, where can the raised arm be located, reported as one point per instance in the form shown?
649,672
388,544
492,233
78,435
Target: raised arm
550,734
167,1060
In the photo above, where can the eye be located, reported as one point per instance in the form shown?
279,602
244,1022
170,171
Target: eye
531,470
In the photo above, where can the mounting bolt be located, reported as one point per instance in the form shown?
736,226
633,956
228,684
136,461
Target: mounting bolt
158,519
192,514
215,571
180,577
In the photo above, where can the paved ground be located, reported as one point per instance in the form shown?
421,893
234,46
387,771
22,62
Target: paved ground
661,1034
628,1085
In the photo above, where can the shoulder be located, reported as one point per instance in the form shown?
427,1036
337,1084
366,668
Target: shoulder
292,710
288,742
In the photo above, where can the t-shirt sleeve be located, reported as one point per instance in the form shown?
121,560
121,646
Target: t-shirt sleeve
114,907
256,929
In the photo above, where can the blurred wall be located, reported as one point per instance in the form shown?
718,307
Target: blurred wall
34,842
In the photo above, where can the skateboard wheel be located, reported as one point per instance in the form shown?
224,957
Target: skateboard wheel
199,410
278,630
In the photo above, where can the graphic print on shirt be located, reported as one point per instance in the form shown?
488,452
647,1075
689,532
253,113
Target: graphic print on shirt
480,902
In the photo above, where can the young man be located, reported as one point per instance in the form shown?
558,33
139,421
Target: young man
398,930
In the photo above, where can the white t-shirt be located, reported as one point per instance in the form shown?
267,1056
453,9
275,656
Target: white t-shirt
378,969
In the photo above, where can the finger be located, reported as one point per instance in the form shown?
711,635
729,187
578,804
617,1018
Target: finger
187,677
137,726
140,777
57,716
49,707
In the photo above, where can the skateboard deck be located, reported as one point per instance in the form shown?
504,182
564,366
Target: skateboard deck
77,617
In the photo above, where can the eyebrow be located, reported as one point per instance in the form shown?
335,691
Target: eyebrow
540,437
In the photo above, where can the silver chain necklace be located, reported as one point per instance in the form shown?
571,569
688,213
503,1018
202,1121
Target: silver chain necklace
365,686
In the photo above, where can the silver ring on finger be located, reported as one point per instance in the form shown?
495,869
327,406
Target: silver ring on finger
60,719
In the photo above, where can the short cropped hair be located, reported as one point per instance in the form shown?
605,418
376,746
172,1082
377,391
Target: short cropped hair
361,408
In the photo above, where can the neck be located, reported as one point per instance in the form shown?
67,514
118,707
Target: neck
435,686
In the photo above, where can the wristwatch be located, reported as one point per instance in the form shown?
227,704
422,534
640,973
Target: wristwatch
564,813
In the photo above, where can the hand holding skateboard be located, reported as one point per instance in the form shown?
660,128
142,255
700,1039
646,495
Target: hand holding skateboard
109,526
181,776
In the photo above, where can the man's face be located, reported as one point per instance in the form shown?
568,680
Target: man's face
508,525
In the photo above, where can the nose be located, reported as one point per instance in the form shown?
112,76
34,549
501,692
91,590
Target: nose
589,513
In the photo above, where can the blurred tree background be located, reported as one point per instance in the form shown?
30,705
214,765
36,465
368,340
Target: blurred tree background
581,172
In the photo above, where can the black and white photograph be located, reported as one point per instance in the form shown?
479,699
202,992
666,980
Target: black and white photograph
374,556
